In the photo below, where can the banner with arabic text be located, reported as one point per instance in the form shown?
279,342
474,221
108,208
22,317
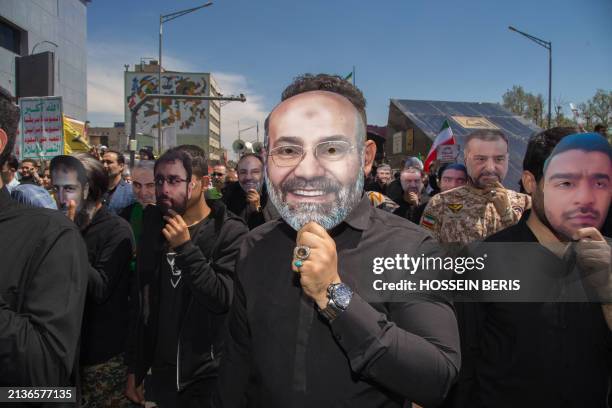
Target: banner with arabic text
42,133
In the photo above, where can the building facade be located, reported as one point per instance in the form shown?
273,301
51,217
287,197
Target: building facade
60,27
196,122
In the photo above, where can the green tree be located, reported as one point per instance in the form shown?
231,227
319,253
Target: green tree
525,104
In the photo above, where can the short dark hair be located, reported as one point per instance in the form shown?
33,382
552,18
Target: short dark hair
12,162
540,146
97,177
176,154
199,163
33,161
586,142
120,156
599,127
451,166
324,82
67,163
9,121
487,135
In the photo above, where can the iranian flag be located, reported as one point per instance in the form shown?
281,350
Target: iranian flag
445,137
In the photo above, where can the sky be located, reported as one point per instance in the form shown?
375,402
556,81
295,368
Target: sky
407,49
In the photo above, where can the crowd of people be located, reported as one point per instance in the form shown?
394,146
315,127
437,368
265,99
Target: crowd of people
192,284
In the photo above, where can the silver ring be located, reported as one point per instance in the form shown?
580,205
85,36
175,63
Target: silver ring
301,252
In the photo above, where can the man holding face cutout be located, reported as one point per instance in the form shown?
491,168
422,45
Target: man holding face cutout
185,266
554,348
300,332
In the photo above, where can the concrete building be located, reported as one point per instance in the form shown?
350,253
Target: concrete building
56,26
112,137
183,122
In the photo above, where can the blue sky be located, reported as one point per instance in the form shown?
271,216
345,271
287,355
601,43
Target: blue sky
411,49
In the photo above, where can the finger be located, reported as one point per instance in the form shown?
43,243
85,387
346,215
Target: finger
499,185
174,223
166,234
591,233
71,209
312,241
316,229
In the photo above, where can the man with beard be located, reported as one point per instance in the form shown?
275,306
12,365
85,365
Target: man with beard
143,188
300,332
545,352
186,268
483,206
382,180
42,284
249,198
413,201
119,194
218,176
80,182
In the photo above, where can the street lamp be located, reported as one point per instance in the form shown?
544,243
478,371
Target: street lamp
163,18
548,46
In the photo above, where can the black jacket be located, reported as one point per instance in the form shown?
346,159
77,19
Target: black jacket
110,246
207,263
234,198
43,283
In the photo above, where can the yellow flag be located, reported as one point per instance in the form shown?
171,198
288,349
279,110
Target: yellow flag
75,136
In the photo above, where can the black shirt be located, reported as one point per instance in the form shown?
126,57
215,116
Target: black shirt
110,246
536,354
43,282
412,212
372,355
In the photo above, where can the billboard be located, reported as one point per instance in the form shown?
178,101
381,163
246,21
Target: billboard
188,118
41,127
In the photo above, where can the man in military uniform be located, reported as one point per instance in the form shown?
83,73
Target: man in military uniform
483,206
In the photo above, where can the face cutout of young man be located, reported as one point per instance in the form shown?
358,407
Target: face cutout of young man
577,184
316,162
250,173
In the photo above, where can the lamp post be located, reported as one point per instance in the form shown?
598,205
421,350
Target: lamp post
548,46
163,18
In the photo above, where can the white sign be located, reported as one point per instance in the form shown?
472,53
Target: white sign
447,153
397,142
42,127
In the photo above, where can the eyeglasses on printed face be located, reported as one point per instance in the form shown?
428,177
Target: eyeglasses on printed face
172,181
292,155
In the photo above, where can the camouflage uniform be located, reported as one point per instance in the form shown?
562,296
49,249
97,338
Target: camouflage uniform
465,214
103,385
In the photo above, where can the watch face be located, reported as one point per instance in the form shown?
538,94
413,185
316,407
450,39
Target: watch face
342,295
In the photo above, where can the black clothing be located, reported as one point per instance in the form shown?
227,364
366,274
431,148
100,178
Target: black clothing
110,246
412,212
234,198
283,354
535,354
207,265
43,284
395,191
375,186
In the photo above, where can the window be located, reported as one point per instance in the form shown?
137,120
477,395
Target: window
11,37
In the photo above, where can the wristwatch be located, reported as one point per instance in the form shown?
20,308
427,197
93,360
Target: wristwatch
339,295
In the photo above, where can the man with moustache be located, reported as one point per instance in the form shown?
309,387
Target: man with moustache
413,201
218,176
186,262
119,194
300,332
143,188
42,285
546,351
483,206
249,198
